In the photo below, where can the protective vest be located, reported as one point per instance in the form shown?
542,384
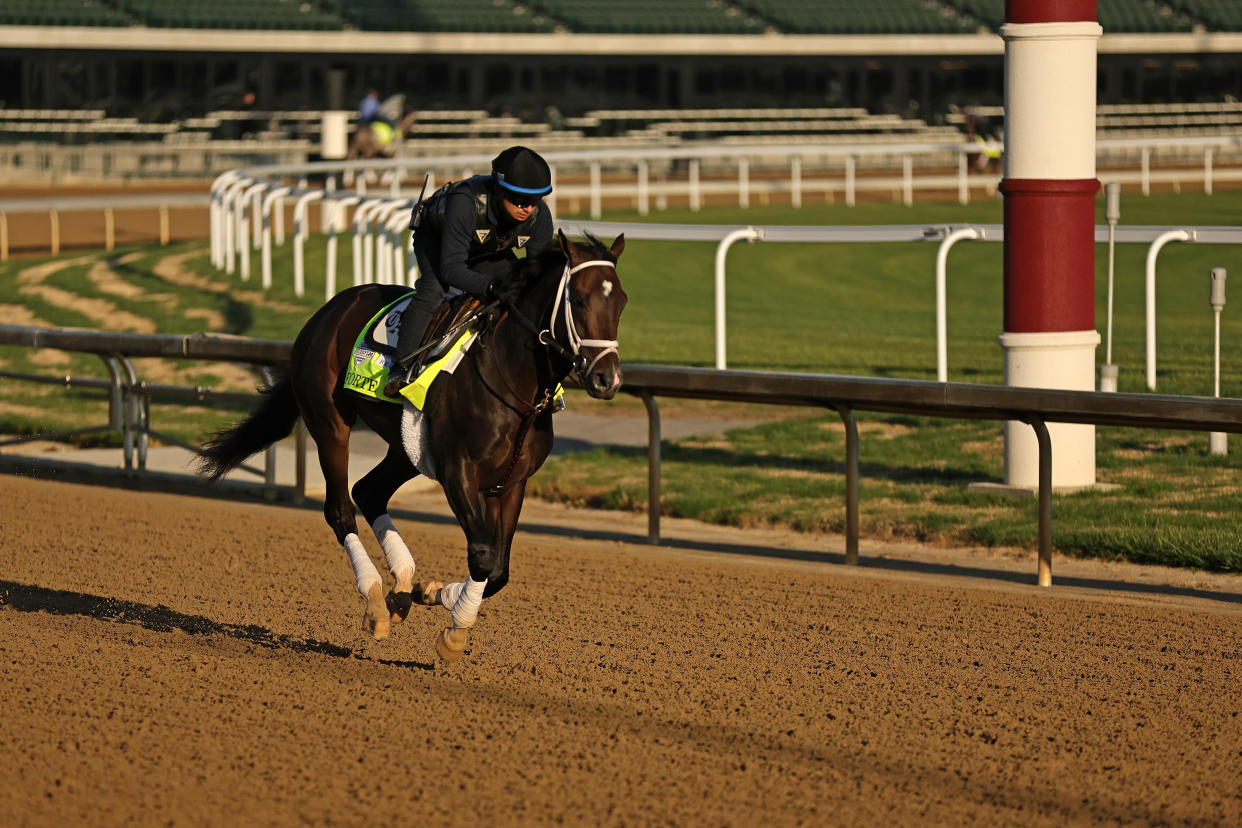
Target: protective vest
429,216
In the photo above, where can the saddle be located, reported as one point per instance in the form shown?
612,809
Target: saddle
375,349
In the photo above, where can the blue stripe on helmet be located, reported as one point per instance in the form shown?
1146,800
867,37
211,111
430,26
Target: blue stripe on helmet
539,191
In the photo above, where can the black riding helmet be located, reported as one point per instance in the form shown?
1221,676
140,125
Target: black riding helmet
522,171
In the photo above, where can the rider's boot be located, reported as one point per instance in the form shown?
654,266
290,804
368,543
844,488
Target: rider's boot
413,325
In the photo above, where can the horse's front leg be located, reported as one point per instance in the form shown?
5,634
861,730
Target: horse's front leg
489,522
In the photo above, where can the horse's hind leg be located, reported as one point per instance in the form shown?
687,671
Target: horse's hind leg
332,442
372,494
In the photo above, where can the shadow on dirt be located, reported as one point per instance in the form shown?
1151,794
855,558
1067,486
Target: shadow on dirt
27,598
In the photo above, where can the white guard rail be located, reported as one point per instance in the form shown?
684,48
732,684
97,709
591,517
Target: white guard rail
379,252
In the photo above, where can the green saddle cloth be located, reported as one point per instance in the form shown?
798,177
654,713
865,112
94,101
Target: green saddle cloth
375,352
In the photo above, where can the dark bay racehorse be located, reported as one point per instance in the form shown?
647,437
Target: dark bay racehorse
488,427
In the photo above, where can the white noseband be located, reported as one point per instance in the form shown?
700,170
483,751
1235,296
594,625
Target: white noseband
576,342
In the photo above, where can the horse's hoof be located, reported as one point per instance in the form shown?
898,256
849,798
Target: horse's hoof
428,594
451,643
377,620
399,604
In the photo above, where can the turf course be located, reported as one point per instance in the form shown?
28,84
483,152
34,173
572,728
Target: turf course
844,308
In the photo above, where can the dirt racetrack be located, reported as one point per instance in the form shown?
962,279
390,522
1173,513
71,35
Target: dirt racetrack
167,659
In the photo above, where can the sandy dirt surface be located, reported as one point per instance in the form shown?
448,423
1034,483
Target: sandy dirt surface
30,233
168,659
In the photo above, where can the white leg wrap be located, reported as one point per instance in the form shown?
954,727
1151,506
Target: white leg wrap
449,594
364,571
463,600
395,551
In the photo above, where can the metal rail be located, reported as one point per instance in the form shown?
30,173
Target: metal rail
843,394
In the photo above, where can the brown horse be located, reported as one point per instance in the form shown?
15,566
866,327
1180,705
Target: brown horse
367,142
485,429
372,142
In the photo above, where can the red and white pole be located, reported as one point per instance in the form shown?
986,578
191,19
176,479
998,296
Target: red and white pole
1049,187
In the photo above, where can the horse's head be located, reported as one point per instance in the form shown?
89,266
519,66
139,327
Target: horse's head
593,301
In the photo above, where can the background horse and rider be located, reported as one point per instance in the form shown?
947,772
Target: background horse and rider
380,134
481,433
986,153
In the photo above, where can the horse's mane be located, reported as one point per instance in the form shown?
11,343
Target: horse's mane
550,263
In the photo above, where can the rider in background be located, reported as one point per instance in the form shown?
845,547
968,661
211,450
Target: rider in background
465,235
382,118
368,109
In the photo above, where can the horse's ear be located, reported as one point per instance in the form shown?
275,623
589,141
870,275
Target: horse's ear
566,247
618,246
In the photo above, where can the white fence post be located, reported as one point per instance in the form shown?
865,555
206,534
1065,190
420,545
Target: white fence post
596,199
942,278
332,213
963,179
907,179
695,196
1152,253
644,206
301,231
722,251
795,181
849,180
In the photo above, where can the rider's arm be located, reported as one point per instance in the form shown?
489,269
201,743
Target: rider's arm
455,246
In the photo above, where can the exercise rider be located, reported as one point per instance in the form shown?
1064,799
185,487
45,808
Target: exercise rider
465,235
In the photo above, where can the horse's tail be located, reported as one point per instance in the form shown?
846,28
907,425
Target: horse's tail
273,420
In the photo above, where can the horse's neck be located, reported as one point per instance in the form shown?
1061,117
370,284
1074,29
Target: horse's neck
536,303
517,346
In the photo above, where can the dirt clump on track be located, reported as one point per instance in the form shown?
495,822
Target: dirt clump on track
172,659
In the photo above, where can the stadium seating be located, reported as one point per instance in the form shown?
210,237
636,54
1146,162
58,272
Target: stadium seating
1217,15
441,16
229,14
59,13
853,17
1140,16
1114,15
840,17
651,17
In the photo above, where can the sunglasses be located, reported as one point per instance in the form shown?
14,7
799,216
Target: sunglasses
523,200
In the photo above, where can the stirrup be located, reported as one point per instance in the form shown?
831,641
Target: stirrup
399,378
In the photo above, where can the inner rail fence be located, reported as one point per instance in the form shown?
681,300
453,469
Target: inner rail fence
641,175
843,394
379,253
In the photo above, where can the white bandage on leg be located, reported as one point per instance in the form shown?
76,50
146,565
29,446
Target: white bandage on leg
395,551
449,593
463,600
365,572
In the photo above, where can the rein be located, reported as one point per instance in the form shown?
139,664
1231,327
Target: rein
547,336
573,354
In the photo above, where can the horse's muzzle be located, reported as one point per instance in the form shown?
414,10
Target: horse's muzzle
604,381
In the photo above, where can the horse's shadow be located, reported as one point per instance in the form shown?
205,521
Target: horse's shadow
159,618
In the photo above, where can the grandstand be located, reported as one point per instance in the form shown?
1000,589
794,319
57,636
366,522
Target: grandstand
168,68
844,17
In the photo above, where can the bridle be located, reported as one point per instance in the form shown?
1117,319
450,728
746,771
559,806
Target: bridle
547,336
573,353
576,342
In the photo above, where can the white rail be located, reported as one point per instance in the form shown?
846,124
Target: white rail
377,255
